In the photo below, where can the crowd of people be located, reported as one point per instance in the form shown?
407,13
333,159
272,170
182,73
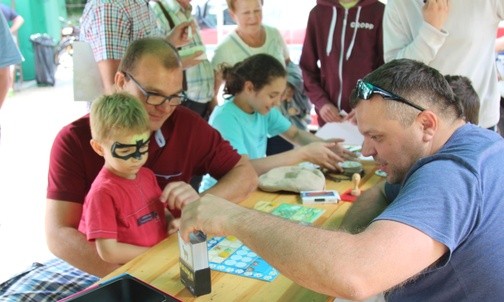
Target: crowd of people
421,89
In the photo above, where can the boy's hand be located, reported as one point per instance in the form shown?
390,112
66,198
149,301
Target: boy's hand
177,194
172,223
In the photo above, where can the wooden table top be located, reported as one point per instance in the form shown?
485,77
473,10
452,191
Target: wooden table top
159,266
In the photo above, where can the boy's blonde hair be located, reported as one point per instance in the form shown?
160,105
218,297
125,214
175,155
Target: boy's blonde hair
118,113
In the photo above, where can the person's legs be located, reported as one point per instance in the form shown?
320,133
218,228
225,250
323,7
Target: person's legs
4,86
4,83
50,281
12,77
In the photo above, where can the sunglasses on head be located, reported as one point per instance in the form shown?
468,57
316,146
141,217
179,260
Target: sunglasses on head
366,90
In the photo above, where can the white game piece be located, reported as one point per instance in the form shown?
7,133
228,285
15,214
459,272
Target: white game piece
356,178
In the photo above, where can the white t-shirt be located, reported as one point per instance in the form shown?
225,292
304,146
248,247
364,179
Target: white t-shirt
233,50
464,47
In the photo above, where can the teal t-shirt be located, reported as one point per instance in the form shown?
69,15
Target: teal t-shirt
247,133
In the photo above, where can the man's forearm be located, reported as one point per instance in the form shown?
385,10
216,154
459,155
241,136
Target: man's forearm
108,69
283,243
113,251
368,206
16,24
312,257
287,158
76,250
300,137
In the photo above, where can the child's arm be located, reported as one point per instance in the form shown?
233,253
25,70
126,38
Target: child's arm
312,149
318,153
306,139
112,251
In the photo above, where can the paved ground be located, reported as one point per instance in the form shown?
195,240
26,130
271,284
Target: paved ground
29,121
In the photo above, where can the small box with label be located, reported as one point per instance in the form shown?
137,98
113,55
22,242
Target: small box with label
194,269
319,197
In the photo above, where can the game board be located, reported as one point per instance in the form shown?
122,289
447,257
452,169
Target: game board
230,255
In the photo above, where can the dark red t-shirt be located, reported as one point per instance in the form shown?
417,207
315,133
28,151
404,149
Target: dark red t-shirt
192,147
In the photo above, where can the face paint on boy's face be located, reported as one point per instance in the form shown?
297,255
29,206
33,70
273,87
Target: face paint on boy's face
127,151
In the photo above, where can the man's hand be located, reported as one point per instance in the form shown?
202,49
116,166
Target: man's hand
179,35
209,214
178,194
329,113
435,12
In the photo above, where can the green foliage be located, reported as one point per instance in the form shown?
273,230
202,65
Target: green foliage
74,10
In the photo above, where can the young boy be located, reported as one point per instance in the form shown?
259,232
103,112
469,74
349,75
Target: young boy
122,211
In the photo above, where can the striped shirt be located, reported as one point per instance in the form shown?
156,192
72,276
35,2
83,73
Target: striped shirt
199,78
110,25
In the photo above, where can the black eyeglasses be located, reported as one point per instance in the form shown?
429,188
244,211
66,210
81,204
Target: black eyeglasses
156,99
366,90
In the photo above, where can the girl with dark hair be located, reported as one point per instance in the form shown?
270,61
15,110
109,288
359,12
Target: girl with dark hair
254,89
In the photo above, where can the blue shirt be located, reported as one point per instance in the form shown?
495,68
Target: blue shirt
247,133
456,197
9,53
8,12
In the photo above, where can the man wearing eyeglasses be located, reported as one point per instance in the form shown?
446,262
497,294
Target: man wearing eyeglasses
182,144
438,240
